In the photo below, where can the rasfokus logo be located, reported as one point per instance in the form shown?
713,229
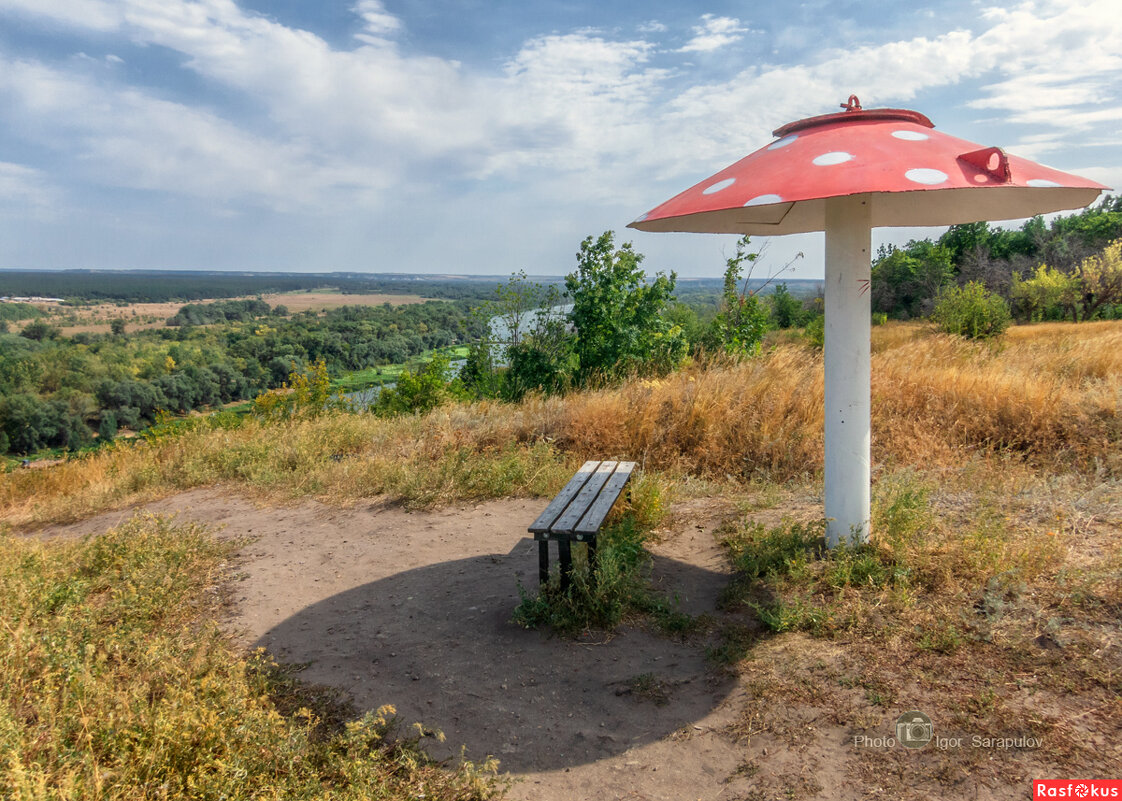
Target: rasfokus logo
1077,788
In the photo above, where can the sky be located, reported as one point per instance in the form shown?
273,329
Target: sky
470,137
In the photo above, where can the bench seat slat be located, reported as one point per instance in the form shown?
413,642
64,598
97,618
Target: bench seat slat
579,507
558,505
594,518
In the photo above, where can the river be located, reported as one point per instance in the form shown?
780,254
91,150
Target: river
500,331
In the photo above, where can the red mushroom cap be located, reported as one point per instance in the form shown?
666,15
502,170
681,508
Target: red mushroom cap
913,174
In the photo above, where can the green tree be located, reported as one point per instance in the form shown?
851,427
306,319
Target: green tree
1049,294
1101,279
514,304
785,308
39,331
740,324
965,240
518,334
617,315
479,373
107,427
971,311
906,280
117,325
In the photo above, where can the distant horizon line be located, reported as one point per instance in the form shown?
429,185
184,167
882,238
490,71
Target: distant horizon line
339,273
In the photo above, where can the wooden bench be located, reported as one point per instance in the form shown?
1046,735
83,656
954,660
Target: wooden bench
576,515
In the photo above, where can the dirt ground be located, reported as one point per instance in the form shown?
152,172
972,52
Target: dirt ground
414,609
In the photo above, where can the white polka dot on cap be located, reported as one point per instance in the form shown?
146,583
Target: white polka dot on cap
786,140
836,157
923,175
910,136
717,187
763,200
1041,182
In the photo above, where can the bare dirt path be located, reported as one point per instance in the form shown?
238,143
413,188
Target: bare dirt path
414,610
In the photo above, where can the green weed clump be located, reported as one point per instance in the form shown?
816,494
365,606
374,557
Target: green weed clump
621,588
921,577
116,684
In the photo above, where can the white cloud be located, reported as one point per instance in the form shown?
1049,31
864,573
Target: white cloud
652,26
1107,176
128,138
379,23
26,191
98,15
714,33
577,114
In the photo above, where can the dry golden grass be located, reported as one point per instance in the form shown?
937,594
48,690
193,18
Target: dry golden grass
1048,396
452,454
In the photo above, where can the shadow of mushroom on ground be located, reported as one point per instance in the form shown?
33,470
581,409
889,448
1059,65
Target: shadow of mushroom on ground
437,642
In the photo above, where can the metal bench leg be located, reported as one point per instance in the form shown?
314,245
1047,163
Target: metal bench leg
592,563
565,556
543,562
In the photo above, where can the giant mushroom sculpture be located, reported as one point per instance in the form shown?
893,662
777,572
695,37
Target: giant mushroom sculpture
845,173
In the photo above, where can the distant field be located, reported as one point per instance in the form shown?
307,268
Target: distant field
315,301
95,319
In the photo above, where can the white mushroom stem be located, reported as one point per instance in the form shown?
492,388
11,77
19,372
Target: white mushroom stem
848,243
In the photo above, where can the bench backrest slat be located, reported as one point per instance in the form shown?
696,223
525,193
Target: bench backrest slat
558,505
584,499
594,517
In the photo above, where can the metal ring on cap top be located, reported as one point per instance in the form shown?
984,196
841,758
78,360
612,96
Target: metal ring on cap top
854,113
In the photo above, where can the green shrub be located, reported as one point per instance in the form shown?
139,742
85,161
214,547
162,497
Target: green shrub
420,391
971,311
815,332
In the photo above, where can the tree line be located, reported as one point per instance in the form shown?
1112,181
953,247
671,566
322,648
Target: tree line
151,286
57,391
1069,268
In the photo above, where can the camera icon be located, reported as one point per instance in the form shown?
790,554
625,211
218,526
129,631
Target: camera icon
914,729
